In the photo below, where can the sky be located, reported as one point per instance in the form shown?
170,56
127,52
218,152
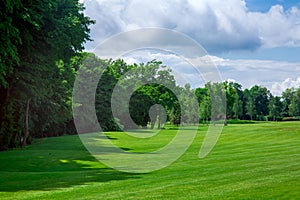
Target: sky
252,42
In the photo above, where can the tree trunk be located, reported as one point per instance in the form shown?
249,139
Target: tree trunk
225,121
158,126
4,94
26,128
153,121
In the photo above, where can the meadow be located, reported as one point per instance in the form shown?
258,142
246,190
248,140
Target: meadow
249,161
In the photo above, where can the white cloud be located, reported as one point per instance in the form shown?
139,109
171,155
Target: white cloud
278,27
231,80
278,88
275,75
183,71
218,25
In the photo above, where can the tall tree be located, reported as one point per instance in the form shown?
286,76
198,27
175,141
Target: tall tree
249,104
294,106
205,109
233,95
275,107
258,100
287,97
37,35
217,94
237,107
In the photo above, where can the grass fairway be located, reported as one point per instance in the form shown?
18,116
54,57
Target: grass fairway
250,161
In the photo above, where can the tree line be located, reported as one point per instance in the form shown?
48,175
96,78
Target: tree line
39,39
155,98
180,104
40,54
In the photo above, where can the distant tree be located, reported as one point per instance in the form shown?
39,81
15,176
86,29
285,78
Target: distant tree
257,102
205,109
113,71
217,93
294,106
175,114
275,107
193,111
190,105
237,107
233,96
201,93
287,97
249,104
262,100
140,105
148,84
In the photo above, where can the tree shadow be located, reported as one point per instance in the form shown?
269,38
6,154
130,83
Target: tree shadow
51,165
46,181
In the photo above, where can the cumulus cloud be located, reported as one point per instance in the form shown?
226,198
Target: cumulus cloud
217,25
184,72
278,27
220,26
275,75
278,88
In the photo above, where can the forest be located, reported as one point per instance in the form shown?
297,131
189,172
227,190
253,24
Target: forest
41,51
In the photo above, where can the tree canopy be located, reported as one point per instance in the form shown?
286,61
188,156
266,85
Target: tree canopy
38,39
41,44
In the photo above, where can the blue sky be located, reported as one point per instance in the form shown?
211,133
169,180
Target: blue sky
251,42
265,5
280,53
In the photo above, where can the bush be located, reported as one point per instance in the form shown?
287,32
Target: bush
276,118
291,118
236,121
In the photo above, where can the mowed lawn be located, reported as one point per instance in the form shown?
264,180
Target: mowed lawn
250,161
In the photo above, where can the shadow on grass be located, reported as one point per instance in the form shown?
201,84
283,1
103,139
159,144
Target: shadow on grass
53,163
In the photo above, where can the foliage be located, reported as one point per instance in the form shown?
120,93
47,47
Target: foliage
40,42
38,39
275,107
147,82
234,121
294,107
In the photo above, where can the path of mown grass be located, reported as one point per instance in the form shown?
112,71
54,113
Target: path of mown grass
251,161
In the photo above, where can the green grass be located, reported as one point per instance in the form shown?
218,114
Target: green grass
250,161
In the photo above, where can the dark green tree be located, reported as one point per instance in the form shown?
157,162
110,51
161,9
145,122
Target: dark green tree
39,36
294,106
287,97
237,107
275,107
257,102
205,109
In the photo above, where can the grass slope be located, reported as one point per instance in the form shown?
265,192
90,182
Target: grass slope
250,161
